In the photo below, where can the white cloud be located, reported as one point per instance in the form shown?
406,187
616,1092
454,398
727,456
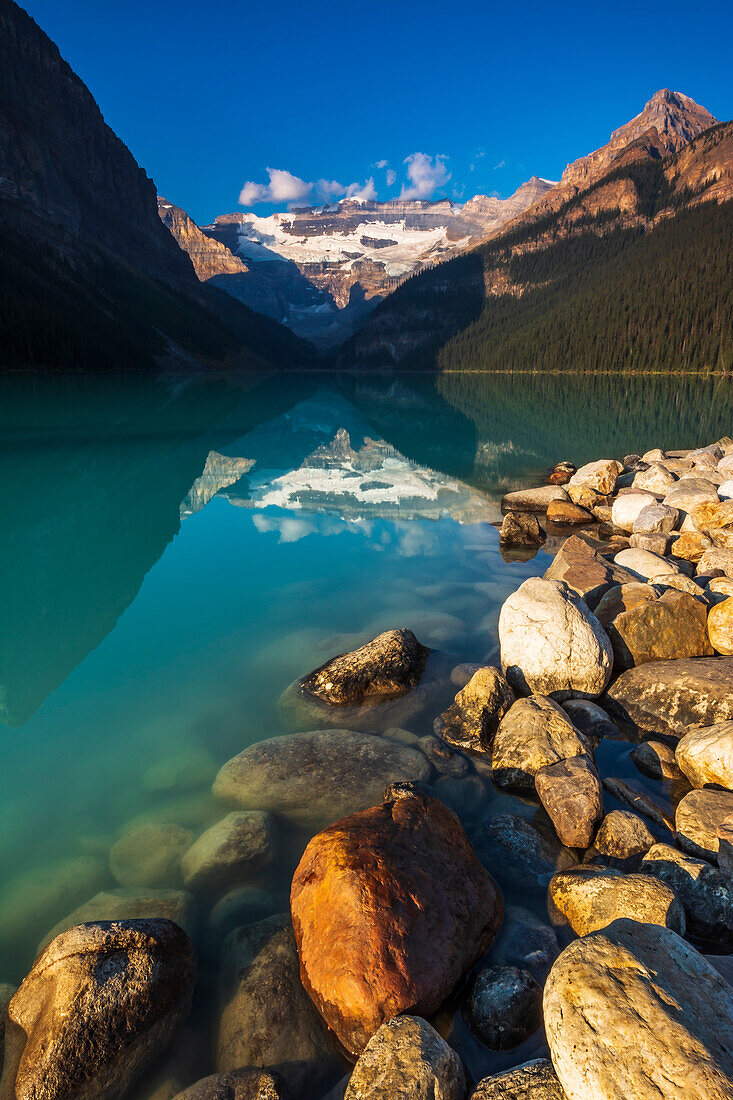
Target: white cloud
363,192
426,174
283,187
391,176
501,164
381,164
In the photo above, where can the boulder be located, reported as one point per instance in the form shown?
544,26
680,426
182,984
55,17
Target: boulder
130,903
656,760
521,529
624,597
532,500
445,759
590,720
600,476
656,519
690,546
504,1006
705,892
627,506
243,905
150,855
716,558
561,473
655,479
565,513
242,1084
688,493
725,490
622,837
534,1080
582,496
585,570
680,583
673,626
712,516
520,854
240,845
99,1004
524,941
590,898
391,908
551,643
571,793
534,733
315,778
725,846
406,1059
654,544
385,668
720,627
634,1011
721,585
705,755
266,1020
645,565
667,697
473,718
697,818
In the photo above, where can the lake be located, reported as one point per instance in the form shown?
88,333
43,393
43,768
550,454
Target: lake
174,553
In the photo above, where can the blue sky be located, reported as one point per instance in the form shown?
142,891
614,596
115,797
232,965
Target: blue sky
209,96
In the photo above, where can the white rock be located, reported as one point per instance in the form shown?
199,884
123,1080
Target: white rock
725,466
725,491
656,518
551,644
685,497
644,564
655,479
716,558
705,755
655,455
626,508
600,476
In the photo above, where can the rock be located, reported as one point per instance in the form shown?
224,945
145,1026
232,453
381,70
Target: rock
725,846
473,718
585,571
711,516
561,473
240,845
445,760
654,544
551,644
130,903
532,500
184,771
642,802
521,529
656,760
686,495
524,941
181,1063
690,546
680,583
624,597
705,892
571,793
534,733
385,668
634,1011
242,1084
504,1006
535,1080
656,519
317,777
519,855
31,903
391,908
705,755
697,818
244,905
655,455
623,836
98,1005
406,1059
673,626
590,720
461,674
150,855
720,627
722,585
667,697
716,558
643,564
627,507
655,479
600,475
590,898
6,994
725,491
725,466
266,1020
564,512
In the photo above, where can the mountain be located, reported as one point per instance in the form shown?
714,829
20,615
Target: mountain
321,270
89,276
632,271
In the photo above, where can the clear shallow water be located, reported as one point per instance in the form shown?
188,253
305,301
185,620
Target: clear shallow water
154,606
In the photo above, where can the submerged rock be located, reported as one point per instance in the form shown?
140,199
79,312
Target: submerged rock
150,855
406,1059
520,855
585,571
670,696
504,1006
697,819
534,733
634,1011
388,666
99,1004
391,908
705,892
315,778
590,720
473,718
705,755
534,1080
130,903
551,644
242,1084
572,794
239,845
524,941
590,898
445,759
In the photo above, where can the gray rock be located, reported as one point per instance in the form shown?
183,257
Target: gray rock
243,905
445,759
634,1011
99,1004
535,1080
150,855
524,941
266,1019
590,720
240,845
473,718
182,1063
572,794
697,819
656,519
519,855
387,667
242,1084
655,544
317,777
504,1006
406,1059
667,697
532,500
130,903
535,732
705,892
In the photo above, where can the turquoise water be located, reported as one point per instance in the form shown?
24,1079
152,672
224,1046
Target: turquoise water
150,618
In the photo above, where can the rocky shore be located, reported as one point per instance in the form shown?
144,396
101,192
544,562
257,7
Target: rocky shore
527,866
